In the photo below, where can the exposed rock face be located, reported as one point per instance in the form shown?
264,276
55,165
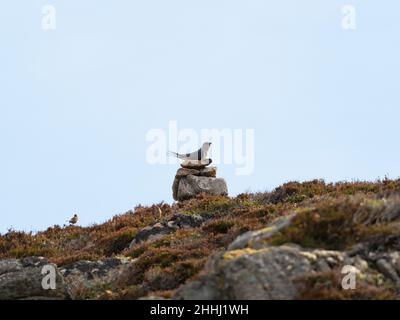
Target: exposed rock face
253,269
271,273
178,221
255,239
22,279
153,232
181,220
189,182
83,276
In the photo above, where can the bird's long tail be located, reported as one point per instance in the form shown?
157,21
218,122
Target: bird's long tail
174,154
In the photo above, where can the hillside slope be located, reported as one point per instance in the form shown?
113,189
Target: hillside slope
153,251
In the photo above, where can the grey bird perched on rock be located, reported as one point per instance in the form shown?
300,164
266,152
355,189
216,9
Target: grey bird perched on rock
197,155
74,219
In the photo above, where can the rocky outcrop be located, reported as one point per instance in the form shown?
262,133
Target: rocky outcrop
256,239
189,182
158,230
153,232
85,277
252,269
22,279
271,273
245,247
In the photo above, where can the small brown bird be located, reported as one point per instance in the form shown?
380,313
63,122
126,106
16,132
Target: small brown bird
74,219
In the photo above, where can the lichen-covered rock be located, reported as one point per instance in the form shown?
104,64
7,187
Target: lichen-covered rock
253,268
22,279
158,230
153,232
271,273
182,220
255,239
191,186
85,277
189,182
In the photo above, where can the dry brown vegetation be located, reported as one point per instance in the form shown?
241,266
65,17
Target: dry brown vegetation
331,216
326,286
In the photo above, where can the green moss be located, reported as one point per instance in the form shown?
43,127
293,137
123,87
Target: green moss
374,203
332,224
221,226
215,205
38,251
136,251
297,198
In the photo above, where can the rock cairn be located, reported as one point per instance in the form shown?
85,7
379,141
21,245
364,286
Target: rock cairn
195,177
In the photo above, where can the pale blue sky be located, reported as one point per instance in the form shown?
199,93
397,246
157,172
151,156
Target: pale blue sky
76,102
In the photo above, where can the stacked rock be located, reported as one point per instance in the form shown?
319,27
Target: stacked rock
196,177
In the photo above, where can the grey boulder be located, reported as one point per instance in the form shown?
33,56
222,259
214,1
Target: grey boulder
87,277
189,182
252,269
190,186
160,229
271,273
256,239
153,232
22,279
